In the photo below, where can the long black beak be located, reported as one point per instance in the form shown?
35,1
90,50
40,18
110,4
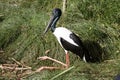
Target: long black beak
49,24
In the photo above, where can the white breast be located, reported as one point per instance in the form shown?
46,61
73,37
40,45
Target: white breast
64,33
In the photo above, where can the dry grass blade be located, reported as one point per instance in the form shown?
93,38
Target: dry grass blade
12,68
21,64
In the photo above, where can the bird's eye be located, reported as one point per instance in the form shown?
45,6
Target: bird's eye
53,13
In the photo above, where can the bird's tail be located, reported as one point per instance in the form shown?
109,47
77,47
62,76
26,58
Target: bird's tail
90,57
85,55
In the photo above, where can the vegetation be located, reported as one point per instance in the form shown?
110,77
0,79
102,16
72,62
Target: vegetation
97,23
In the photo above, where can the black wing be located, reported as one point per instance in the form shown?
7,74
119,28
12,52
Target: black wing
76,39
78,50
85,52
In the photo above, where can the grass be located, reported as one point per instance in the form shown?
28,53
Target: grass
97,23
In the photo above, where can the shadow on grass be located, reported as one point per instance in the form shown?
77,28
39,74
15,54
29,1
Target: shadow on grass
96,51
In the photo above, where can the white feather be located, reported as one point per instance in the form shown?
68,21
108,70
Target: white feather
64,33
84,58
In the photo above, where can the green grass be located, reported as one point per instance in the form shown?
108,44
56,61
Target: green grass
96,22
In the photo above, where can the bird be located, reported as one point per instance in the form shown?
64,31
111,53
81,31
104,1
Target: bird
68,40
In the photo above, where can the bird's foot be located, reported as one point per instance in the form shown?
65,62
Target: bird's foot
49,58
47,68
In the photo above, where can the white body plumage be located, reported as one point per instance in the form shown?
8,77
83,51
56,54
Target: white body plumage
64,33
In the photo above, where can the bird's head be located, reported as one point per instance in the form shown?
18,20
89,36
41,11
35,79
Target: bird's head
56,13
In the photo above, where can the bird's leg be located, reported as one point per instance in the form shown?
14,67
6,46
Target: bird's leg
51,68
67,60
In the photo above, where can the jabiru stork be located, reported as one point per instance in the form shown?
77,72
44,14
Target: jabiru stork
67,39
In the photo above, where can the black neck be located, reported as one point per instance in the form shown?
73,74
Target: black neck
53,26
